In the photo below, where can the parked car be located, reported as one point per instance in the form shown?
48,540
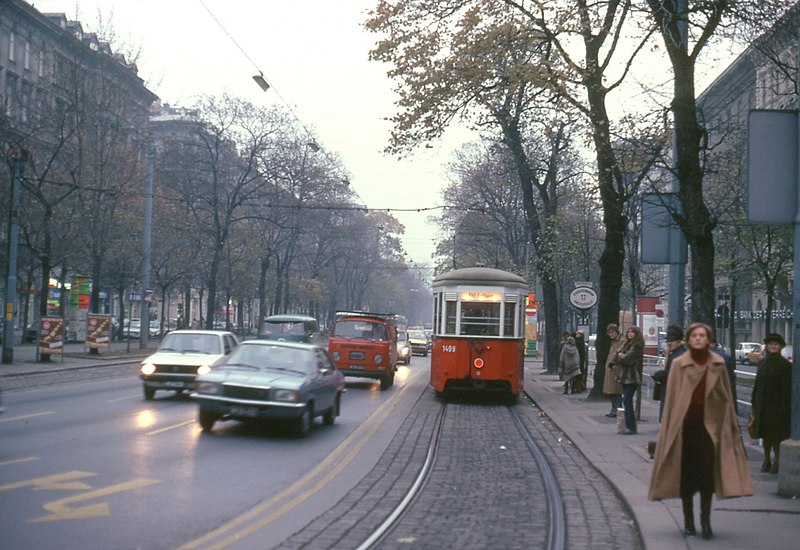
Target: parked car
742,349
291,328
419,342
755,355
271,380
131,328
182,355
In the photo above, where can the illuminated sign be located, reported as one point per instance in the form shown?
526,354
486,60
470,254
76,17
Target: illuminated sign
477,296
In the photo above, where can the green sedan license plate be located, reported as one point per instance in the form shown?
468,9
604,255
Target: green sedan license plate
238,410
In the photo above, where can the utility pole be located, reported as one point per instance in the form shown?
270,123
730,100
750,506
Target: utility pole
16,157
150,156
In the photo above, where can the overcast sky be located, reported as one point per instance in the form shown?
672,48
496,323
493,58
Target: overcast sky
313,52
315,55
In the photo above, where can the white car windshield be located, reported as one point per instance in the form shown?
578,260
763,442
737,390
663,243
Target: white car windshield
191,343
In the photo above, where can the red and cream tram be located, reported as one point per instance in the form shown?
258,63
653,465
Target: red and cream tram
478,330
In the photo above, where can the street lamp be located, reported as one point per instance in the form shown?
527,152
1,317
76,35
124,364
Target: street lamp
261,81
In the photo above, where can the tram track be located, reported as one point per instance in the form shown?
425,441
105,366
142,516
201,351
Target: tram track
429,480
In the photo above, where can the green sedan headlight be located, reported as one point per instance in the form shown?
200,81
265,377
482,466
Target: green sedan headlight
286,395
212,388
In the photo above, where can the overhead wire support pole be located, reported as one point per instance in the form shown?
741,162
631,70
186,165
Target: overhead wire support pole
16,156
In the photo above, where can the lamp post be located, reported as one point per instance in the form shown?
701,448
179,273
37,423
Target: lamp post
16,157
144,329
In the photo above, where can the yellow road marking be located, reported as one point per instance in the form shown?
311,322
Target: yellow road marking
168,428
19,460
60,509
26,416
51,483
363,433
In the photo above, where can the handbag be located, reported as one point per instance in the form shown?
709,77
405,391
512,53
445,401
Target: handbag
751,427
657,391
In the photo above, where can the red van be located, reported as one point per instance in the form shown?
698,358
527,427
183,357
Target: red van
364,344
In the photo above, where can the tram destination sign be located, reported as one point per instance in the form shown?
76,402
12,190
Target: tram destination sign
583,297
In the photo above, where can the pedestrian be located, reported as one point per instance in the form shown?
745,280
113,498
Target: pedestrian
630,360
772,400
569,365
675,348
611,387
580,343
730,367
699,446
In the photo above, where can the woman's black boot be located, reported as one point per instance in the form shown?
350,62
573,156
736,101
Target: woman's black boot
705,515
688,517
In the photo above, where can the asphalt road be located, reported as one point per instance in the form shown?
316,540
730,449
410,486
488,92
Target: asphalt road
89,460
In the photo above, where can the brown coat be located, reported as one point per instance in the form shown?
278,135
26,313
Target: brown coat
731,471
610,384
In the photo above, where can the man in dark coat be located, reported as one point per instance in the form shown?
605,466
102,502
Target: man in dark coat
772,400
675,348
730,366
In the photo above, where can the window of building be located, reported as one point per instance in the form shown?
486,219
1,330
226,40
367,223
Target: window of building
12,46
27,56
41,63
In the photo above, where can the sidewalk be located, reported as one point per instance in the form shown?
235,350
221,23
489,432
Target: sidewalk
765,520
75,355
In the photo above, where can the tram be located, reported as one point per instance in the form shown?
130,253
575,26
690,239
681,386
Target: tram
478,331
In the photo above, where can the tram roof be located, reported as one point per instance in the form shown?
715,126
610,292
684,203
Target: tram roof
480,276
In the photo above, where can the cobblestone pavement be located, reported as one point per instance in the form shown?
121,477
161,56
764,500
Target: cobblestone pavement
485,490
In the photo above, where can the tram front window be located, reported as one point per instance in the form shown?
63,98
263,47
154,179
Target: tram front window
480,319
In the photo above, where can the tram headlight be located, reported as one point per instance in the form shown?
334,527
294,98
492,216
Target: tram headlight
378,359
478,363
335,355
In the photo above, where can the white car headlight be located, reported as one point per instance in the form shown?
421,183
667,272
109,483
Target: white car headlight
148,368
212,388
285,395
204,369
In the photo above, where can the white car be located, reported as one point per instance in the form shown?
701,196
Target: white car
182,355
742,349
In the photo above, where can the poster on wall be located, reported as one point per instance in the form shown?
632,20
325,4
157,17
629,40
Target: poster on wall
97,330
650,329
51,335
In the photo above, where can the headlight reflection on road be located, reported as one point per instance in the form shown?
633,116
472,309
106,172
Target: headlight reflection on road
145,419
402,374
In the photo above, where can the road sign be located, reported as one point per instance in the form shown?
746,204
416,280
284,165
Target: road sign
583,297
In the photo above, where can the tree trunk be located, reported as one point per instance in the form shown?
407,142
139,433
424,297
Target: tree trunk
612,260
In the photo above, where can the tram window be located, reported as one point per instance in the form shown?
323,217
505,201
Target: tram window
508,325
480,319
450,317
437,313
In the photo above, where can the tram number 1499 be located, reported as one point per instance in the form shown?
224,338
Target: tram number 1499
449,349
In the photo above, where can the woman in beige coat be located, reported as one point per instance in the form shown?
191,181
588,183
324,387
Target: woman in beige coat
611,387
699,444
